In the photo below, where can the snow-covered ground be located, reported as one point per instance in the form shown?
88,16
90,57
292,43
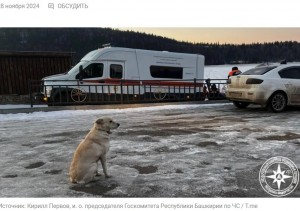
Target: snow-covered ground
163,151
18,106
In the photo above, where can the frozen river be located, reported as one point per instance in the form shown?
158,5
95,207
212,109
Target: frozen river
163,151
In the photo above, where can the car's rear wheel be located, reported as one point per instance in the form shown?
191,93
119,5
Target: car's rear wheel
239,104
277,102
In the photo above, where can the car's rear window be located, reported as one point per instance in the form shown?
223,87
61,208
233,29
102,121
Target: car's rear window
259,70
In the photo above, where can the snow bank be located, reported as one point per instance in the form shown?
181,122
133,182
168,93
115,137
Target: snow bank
70,113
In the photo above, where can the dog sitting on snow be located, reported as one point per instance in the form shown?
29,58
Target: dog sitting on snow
84,166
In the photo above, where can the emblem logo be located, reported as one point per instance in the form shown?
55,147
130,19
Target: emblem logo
279,176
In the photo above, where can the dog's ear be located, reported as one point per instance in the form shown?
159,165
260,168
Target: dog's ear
99,121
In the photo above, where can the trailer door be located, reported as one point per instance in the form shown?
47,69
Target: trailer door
116,73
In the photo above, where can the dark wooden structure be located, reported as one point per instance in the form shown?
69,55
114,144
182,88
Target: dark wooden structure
17,68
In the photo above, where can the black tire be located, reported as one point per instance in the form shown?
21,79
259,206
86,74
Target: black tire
277,102
58,98
240,104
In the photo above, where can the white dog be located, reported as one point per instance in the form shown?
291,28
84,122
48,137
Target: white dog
84,166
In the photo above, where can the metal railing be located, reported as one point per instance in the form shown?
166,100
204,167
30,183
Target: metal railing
75,92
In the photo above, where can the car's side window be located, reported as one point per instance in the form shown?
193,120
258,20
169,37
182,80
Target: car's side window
94,70
291,72
116,71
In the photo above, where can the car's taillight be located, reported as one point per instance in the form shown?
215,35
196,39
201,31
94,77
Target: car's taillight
254,81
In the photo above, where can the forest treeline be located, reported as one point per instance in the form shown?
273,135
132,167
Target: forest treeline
82,40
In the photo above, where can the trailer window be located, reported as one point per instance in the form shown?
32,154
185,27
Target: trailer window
116,71
166,72
94,70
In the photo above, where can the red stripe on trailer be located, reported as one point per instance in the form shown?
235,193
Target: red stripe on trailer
110,81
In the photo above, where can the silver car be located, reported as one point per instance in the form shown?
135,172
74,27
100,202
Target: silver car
272,86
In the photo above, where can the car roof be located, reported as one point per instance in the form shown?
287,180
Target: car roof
269,68
278,64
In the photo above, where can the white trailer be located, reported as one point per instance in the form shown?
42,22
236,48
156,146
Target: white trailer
141,71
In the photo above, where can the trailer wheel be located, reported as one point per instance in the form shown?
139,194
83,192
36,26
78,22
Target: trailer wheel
159,93
78,95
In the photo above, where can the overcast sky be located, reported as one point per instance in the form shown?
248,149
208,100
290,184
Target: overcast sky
236,35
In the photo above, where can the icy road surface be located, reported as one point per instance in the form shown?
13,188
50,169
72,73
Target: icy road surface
164,151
